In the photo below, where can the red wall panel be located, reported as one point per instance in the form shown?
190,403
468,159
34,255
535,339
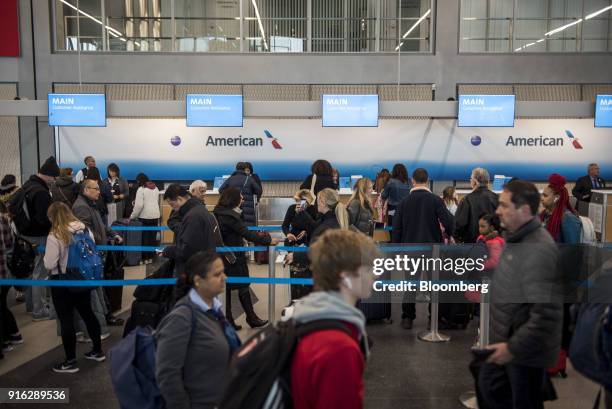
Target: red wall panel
9,28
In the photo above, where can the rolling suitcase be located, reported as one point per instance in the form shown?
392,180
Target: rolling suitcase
131,238
261,257
113,270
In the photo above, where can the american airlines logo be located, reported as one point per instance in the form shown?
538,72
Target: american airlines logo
243,141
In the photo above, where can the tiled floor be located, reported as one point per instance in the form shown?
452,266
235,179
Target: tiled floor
403,372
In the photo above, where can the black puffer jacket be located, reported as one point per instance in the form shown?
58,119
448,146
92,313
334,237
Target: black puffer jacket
474,205
526,308
249,188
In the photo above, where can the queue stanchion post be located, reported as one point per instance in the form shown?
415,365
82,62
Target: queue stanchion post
433,335
468,399
271,287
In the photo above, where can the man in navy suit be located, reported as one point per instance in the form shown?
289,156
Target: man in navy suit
584,185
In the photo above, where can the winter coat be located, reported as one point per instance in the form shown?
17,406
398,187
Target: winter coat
327,366
526,308
87,212
360,217
474,205
323,182
249,188
418,218
185,356
294,224
64,190
146,205
314,230
38,201
234,231
394,192
194,234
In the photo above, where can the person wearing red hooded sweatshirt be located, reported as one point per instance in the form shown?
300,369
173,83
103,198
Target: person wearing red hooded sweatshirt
146,209
489,230
562,222
327,365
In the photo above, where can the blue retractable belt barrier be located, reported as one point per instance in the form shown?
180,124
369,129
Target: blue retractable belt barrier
292,249
152,281
265,228
140,228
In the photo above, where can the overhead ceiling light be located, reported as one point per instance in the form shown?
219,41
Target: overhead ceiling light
415,25
595,14
261,29
518,49
540,40
558,29
112,31
469,18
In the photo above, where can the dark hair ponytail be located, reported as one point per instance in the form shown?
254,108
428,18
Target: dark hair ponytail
198,264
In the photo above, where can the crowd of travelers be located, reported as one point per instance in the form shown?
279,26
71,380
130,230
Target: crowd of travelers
54,223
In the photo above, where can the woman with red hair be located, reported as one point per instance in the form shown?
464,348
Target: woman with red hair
565,227
559,217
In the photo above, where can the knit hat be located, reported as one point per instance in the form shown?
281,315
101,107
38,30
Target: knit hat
50,168
8,182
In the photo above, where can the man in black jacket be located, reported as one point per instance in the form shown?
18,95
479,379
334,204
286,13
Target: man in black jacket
195,232
480,201
37,202
417,220
584,184
526,308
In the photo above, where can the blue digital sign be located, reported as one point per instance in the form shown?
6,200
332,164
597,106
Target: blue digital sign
77,109
344,182
350,110
603,111
214,110
486,110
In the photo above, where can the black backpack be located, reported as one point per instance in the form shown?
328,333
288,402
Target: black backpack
259,373
21,260
18,207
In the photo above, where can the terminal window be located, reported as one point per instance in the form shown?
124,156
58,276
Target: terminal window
535,26
253,26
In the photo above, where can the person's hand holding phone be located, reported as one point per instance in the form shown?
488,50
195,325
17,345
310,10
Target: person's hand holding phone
291,237
301,235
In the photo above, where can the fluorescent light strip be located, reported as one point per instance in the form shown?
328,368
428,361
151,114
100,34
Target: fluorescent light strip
113,32
558,29
415,25
518,49
595,14
540,40
261,29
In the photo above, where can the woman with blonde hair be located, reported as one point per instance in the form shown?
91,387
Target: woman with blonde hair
360,207
64,226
